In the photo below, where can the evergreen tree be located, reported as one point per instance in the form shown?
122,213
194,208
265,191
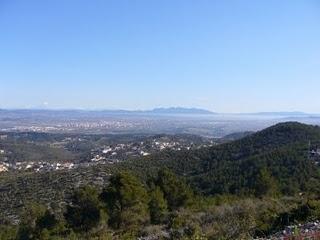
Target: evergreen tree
84,213
8,232
266,185
175,190
27,226
36,223
158,206
126,200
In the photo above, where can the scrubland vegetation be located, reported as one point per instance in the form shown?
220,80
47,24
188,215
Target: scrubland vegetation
245,189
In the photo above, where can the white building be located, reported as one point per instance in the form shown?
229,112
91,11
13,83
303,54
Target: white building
144,153
3,168
106,150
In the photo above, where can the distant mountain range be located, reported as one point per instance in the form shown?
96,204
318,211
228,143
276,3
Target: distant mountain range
179,110
155,111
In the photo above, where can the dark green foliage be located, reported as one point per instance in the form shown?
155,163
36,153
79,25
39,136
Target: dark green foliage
223,217
249,188
47,221
302,212
175,190
28,227
84,213
36,223
17,189
233,168
266,185
157,206
126,201
8,232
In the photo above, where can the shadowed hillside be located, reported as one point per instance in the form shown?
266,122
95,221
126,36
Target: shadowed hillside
283,150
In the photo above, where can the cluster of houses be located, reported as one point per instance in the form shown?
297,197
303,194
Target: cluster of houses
75,126
35,166
117,152
105,154
3,166
113,154
315,155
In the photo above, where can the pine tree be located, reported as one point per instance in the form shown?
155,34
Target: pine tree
266,185
175,190
84,213
126,201
158,206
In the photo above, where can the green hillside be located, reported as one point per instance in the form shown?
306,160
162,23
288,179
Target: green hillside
282,150
248,188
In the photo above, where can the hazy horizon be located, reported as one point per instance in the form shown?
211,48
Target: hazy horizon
156,108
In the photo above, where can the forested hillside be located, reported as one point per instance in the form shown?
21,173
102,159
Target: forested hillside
243,189
283,151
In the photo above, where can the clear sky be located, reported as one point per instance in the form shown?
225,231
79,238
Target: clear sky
225,56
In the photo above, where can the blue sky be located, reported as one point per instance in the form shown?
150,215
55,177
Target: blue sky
226,56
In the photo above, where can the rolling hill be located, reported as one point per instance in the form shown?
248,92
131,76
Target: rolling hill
283,150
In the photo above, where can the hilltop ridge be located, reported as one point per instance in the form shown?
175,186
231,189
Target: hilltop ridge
283,150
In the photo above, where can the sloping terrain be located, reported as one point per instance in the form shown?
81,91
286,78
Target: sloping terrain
283,150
